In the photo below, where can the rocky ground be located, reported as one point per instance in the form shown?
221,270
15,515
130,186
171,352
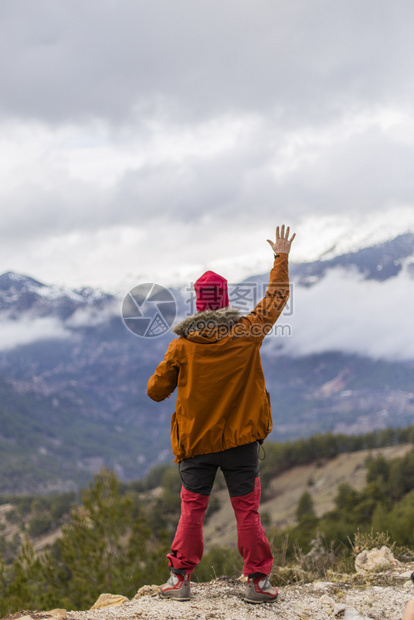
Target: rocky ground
223,598
373,593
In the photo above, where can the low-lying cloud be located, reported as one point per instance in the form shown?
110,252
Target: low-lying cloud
92,317
24,331
344,312
27,329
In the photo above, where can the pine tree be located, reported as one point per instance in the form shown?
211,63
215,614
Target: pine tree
92,545
109,546
305,506
25,584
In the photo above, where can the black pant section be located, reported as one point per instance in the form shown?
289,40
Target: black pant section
240,467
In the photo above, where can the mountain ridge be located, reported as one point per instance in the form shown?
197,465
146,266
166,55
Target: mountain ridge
77,377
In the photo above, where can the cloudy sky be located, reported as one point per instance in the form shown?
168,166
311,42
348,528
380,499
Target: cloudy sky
152,140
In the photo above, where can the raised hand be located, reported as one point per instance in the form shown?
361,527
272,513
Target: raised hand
283,243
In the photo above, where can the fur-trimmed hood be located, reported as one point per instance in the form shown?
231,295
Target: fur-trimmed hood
208,322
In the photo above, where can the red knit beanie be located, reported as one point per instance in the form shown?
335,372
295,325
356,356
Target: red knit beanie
211,292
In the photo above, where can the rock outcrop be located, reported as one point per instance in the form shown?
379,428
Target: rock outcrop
109,600
375,559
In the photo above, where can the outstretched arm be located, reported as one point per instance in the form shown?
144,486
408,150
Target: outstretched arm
259,322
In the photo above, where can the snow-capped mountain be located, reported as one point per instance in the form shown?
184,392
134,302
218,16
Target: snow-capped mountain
20,293
377,262
73,378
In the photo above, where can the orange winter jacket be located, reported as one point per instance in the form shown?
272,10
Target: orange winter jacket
215,363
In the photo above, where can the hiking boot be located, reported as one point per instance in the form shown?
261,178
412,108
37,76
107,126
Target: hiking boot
259,590
177,587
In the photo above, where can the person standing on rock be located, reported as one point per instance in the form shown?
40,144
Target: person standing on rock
222,415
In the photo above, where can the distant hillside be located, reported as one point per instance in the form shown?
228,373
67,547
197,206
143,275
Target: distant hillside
50,444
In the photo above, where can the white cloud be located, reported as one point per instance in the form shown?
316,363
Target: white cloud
27,329
344,312
138,130
23,332
92,317
102,58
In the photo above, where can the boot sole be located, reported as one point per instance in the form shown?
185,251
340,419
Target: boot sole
270,600
174,598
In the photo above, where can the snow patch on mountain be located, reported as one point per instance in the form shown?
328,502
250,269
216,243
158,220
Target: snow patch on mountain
371,232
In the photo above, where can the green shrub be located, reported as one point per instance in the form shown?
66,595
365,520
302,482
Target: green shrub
39,525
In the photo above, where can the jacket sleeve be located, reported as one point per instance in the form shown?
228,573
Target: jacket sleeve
164,381
260,321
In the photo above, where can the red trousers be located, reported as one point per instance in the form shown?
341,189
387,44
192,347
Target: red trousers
188,545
